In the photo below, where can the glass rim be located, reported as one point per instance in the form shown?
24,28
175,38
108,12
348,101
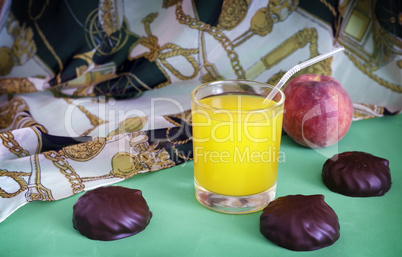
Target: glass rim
197,101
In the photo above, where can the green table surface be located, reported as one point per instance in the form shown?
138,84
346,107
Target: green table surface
180,226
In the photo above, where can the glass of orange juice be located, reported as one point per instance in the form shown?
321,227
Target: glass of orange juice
236,143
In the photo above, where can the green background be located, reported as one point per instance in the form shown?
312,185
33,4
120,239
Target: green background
182,227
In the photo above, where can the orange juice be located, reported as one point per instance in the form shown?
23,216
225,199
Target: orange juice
236,141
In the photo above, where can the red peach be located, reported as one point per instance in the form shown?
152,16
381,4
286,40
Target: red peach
318,110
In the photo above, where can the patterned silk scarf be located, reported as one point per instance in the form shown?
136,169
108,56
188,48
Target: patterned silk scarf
94,92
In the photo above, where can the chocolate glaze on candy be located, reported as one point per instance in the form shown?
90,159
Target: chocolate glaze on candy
357,174
300,223
110,213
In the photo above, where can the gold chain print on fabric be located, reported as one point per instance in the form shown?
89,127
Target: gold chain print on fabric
112,38
36,191
261,24
85,151
233,12
147,158
12,145
82,153
17,177
217,34
160,54
15,85
66,169
124,164
15,114
21,51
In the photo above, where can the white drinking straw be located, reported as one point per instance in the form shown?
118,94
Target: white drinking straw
298,67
